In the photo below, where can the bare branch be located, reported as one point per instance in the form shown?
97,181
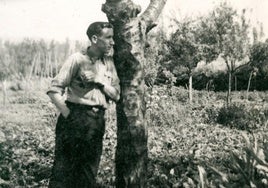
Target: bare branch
242,66
152,12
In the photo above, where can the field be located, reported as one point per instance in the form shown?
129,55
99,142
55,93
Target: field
204,144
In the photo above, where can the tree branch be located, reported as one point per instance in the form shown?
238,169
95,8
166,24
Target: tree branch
242,66
152,12
227,64
120,11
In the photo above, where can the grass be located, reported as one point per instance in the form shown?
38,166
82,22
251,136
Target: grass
184,141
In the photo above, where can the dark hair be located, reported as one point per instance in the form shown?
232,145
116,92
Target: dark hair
96,28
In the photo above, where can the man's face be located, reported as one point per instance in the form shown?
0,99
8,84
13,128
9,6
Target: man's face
105,41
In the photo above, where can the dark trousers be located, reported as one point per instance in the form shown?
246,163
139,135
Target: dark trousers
78,148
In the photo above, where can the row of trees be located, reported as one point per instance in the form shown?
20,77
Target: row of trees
33,57
221,34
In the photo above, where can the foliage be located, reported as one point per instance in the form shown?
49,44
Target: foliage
183,140
228,33
211,114
259,58
26,148
246,169
165,77
252,166
153,56
184,47
240,117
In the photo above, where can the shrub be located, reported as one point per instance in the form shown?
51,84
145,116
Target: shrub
236,116
210,114
246,116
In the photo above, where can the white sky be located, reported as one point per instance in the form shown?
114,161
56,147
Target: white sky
59,19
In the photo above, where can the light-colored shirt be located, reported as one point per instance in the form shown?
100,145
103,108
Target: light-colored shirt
73,78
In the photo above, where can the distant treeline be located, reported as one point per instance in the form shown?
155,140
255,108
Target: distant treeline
207,78
212,80
219,81
33,57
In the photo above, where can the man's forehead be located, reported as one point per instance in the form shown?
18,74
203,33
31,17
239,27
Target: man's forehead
107,31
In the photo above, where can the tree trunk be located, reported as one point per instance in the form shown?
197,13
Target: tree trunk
235,83
249,81
229,88
130,37
190,89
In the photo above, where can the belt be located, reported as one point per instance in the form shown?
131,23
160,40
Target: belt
96,108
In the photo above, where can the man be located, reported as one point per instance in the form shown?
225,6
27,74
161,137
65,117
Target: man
90,80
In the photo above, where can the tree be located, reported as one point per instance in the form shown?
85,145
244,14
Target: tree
185,49
258,60
130,39
228,33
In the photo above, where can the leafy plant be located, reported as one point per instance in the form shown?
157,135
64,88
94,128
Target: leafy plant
249,169
210,114
235,116
243,116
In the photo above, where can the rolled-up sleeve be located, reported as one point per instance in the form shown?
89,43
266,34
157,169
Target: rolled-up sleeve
64,77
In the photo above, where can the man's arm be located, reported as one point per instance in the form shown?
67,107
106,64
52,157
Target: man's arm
109,85
59,102
111,92
60,82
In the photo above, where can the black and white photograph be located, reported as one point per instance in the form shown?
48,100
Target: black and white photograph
133,93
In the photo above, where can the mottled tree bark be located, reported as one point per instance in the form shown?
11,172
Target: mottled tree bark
130,38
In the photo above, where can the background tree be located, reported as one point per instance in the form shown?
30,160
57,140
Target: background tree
258,60
229,36
185,49
130,39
